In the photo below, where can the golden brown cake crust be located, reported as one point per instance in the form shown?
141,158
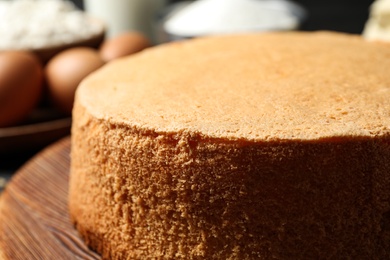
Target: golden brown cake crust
256,87
253,167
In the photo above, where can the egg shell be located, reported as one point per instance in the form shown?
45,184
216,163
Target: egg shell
123,44
21,86
65,71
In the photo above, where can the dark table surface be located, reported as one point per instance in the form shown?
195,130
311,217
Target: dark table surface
10,163
343,16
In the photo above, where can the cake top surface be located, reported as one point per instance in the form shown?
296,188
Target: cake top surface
257,87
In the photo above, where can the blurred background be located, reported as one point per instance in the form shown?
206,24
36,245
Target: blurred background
338,15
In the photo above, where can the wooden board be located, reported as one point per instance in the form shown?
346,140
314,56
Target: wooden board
34,220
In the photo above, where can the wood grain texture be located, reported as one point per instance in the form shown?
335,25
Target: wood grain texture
34,220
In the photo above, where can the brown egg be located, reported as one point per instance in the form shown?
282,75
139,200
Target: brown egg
21,81
122,45
65,71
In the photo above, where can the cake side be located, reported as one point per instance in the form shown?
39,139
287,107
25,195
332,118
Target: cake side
138,194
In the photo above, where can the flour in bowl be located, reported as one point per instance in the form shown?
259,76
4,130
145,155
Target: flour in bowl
36,24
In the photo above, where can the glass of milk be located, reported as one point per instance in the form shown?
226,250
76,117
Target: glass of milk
126,15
